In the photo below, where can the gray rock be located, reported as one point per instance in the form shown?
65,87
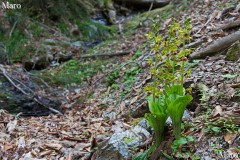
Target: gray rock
68,144
109,115
144,123
119,145
112,16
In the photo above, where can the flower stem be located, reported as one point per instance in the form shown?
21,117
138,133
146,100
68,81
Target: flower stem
177,129
182,73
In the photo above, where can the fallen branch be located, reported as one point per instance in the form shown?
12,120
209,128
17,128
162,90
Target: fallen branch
228,25
195,44
106,54
217,46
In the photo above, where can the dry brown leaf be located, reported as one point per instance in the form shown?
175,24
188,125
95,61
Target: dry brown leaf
230,92
54,146
217,111
8,146
97,126
44,153
96,119
201,134
34,153
11,126
229,137
126,126
122,106
134,100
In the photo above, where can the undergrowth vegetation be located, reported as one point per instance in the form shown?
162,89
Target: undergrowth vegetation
40,19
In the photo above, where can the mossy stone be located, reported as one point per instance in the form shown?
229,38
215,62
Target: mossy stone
233,53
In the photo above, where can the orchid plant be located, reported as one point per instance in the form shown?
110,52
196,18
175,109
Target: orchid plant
167,95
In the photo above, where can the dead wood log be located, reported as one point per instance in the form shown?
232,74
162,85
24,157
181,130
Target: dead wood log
106,54
217,46
228,25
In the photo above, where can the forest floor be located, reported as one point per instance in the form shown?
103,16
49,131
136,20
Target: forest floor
113,100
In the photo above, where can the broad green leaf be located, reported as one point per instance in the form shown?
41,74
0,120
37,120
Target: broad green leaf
216,129
180,141
158,106
175,89
175,111
177,107
157,122
173,92
190,138
151,120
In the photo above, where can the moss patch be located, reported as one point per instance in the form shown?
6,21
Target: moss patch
72,71
233,53
94,31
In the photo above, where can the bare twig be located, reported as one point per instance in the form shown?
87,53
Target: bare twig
14,26
195,44
10,80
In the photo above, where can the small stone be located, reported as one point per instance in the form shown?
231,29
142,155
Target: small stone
144,123
68,144
109,115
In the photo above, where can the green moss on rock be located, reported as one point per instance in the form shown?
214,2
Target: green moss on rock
233,53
